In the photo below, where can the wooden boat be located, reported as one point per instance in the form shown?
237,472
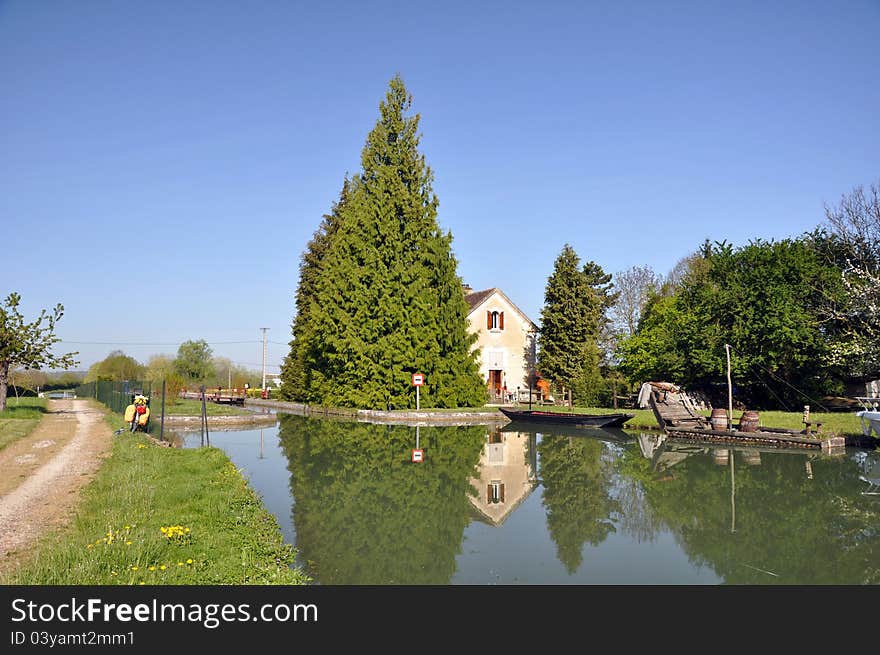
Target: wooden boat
870,415
677,418
566,418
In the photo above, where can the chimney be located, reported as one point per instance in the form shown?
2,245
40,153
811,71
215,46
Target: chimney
466,288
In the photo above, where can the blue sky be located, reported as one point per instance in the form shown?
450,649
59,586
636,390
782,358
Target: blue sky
163,164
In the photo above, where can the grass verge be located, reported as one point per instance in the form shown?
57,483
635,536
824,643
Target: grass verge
19,418
157,516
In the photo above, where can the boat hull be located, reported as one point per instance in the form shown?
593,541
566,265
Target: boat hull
562,418
870,422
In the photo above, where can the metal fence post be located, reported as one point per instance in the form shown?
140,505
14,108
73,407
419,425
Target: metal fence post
162,423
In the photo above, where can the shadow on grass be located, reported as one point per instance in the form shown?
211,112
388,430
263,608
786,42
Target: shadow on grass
24,408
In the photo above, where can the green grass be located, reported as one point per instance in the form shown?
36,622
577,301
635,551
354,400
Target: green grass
227,537
27,407
19,418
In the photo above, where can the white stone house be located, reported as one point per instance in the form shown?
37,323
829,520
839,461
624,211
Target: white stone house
505,337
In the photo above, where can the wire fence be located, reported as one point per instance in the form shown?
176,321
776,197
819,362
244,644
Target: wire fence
117,395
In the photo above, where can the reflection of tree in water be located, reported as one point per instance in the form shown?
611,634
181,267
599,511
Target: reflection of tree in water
637,517
787,528
364,513
577,495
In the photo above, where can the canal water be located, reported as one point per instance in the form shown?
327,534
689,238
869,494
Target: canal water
488,505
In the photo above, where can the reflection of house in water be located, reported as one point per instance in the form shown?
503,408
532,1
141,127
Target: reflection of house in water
508,474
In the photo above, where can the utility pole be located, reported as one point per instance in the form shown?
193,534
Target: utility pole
729,391
264,357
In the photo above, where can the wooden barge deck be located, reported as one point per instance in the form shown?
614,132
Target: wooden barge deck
679,419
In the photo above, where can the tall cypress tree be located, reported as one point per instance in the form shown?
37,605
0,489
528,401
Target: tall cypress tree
575,302
293,369
388,301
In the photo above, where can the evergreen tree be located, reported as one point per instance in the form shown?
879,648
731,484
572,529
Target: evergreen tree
294,381
574,314
387,301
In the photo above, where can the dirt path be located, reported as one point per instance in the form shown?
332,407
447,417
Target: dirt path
42,474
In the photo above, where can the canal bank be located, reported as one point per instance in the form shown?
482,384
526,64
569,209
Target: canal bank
238,421
488,416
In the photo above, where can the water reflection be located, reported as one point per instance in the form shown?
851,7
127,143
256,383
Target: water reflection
505,474
573,506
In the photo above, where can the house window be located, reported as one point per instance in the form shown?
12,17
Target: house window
495,320
495,492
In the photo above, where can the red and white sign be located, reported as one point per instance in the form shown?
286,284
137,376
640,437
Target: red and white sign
418,379
418,455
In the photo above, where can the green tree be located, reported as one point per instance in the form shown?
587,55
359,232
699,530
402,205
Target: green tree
387,301
193,361
116,366
159,367
573,318
28,345
765,299
295,381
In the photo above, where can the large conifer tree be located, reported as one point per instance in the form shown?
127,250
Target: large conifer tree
387,300
575,302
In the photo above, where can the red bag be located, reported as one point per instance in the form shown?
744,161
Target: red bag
141,409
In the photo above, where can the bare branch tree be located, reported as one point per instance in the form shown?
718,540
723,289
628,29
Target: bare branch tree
634,286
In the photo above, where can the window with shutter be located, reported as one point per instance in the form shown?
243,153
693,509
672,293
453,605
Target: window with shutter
488,320
501,321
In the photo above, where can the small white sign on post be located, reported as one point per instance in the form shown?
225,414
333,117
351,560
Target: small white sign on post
418,379
418,455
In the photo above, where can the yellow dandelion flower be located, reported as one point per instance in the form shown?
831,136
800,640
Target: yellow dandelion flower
189,561
134,568
128,527
180,564
90,546
152,568
128,543
142,582
162,567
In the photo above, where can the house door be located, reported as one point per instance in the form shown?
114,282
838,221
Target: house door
495,377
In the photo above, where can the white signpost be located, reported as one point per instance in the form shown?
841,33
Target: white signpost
418,379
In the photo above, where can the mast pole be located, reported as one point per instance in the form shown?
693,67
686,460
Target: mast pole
729,390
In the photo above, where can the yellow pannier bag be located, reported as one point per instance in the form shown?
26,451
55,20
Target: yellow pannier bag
129,413
143,418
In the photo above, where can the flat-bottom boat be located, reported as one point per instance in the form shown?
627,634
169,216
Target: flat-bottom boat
566,418
870,415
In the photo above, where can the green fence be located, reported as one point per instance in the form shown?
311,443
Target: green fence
119,395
